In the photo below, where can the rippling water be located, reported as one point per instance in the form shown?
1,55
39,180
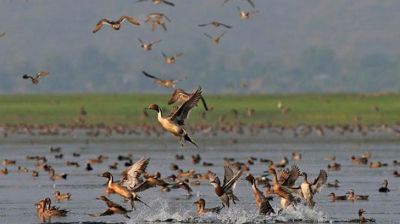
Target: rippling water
19,191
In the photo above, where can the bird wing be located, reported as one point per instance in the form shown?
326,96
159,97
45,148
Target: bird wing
319,181
42,74
228,174
129,19
179,54
100,24
107,212
251,3
166,17
224,25
205,24
140,40
142,186
150,76
204,103
27,76
221,35
232,182
291,177
183,111
138,168
164,55
175,96
208,35
168,3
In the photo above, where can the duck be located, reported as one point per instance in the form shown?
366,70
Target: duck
215,24
225,191
167,83
88,167
384,188
113,208
396,173
171,59
377,164
361,218
174,122
264,207
179,157
150,182
58,196
22,169
157,19
359,160
115,25
113,166
351,196
215,39
115,188
183,185
75,164
158,2
8,162
201,207
4,171
334,167
35,173
181,95
148,46
307,189
334,184
45,210
196,159
35,78
296,156
287,198
131,176
333,197
57,176
246,14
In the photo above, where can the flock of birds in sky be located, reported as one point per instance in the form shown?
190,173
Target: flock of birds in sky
135,179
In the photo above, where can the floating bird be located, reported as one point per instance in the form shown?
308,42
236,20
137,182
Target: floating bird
148,46
361,218
225,191
333,197
116,25
168,83
35,79
56,176
113,208
61,197
181,95
158,2
351,196
174,122
157,19
216,39
45,210
264,207
246,14
215,24
384,188
334,184
170,59
201,207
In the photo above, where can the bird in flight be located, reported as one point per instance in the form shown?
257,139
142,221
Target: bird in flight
2,34
216,39
168,83
246,14
158,2
35,78
157,19
147,46
170,59
116,25
215,24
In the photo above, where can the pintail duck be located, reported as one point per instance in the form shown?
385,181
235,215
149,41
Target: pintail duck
396,173
225,191
22,169
215,24
8,162
4,171
351,196
57,176
201,207
131,176
334,167
174,122
216,39
58,196
181,95
115,25
359,160
158,2
35,79
99,159
284,192
307,189
171,59
246,14
113,166
150,182
361,218
377,164
333,197
148,46
262,202
115,188
157,19
168,83
384,188
45,210
334,184
113,208
54,149
173,167
196,159
179,157
70,163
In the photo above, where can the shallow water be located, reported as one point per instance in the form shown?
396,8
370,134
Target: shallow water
19,191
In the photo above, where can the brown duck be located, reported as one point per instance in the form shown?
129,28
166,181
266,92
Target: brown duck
181,95
225,191
201,207
115,25
35,78
168,83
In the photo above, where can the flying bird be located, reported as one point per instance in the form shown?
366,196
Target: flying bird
157,19
215,24
246,14
175,121
116,25
170,59
216,39
147,46
35,79
181,95
158,2
168,83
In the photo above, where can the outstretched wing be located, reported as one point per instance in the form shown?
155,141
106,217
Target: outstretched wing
319,181
222,34
175,96
224,25
155,42
140,40
168,3
2,34
129,19
231,183
26,76
179,54
288,178
42,74
208,35
100,24
205,24
150,76
183,111
251,3
228,175
138,168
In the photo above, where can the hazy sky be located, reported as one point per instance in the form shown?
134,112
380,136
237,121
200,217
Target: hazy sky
55,35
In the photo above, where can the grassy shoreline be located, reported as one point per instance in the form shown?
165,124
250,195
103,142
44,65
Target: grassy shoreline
128,108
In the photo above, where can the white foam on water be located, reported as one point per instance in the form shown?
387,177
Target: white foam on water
164,211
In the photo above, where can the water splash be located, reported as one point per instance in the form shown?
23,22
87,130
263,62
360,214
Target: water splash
167,211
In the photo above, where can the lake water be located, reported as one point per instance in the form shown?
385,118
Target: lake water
19,191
